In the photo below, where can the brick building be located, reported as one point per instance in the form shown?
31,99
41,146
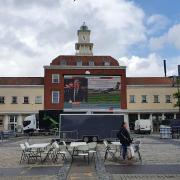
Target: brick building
77,66
81,64
19,97
101,83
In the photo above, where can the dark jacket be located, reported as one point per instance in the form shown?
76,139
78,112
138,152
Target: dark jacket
70,95
124,136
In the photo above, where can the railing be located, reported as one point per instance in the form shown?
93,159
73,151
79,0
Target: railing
176,132
6,135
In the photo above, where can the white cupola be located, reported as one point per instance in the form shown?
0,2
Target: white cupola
83,46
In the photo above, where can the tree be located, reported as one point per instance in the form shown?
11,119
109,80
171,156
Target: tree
176,95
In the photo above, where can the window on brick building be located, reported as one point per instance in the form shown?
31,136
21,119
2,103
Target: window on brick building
106,63
156,98
63,62
13,123
38,100
168,98
55,78
132,99
1,122
144,98
91,63
55,97
79,63
26,100
2,99
14,100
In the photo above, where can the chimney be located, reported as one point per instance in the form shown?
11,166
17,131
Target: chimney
179,70
165,68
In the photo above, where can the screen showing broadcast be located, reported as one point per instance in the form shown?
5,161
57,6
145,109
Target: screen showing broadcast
92,92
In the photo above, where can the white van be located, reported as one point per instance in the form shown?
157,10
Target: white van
29,123
143,126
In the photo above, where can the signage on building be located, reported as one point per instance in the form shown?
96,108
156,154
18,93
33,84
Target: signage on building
88,91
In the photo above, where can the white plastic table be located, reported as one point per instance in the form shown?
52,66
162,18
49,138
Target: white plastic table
116,143
39,145
38,148
76,144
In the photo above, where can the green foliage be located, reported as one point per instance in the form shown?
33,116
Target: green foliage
176,95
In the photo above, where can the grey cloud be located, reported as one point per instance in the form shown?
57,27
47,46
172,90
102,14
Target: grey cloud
10,42
157,23
30,3
53,25
16,22
143,65
54,34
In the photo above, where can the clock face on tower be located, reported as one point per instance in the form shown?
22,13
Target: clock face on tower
83,38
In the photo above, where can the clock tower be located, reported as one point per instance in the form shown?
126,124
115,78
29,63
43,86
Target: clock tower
84,47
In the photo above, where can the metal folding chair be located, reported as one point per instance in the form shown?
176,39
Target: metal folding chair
25,154
28,153
58,150
83,150
69,150
49,153
92,148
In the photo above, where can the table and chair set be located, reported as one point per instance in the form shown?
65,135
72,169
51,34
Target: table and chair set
83,149
42,152
51,151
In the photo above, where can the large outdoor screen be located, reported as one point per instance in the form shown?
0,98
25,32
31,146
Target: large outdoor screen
92,92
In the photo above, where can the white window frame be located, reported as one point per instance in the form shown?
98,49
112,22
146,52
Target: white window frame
58,97
3,99
170,101
106,63
13,121
144,99
91,63
16,100
156,96
38,100
1,121
63,62
55,78
134,99
78,63
24,99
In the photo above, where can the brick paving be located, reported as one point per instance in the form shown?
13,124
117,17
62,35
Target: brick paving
153,149
10,153
30,178
145,177
156,151
81,170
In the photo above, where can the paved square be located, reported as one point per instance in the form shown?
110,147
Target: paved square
160,160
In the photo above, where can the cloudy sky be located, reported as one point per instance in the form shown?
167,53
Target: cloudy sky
139,33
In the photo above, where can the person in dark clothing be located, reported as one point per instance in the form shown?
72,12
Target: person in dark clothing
73,92
124,138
